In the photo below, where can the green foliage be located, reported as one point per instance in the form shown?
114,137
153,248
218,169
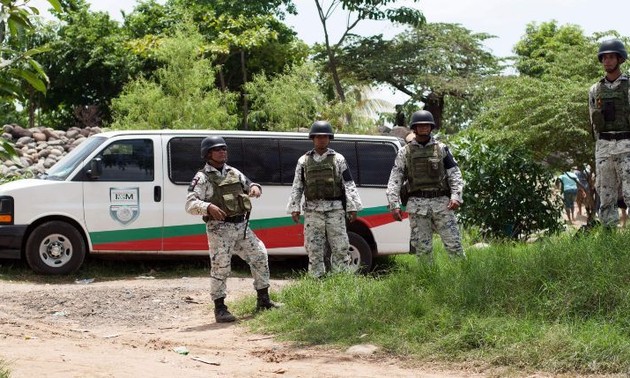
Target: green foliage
89,62
293,100
557,306
181,95
285,102
545,108
548,116
508,194
5,371
539,48
17,63
7,151
245,38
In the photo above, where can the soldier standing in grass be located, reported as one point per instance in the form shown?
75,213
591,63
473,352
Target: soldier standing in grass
609,107
323,177
220,193
434,185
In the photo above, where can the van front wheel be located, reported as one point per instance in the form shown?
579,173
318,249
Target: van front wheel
360,254
55,248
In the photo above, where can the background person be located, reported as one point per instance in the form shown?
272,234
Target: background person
568,185
220,193
584,190
434,185
323,178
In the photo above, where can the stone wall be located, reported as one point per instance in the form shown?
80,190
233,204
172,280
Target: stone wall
40,147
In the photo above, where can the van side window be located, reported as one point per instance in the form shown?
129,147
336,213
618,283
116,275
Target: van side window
183,159
349,150
128,160
375,162
290,152
260,160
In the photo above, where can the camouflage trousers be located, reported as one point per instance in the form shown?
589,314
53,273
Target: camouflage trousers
226,239
422,227
612,172
319,228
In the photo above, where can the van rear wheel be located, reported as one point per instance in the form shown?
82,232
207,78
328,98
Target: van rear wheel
55,248
360,254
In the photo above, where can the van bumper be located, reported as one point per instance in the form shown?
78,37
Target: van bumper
11,241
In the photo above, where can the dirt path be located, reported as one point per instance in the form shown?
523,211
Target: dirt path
131,328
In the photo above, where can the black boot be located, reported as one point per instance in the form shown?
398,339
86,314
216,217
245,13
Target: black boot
263,302
221,313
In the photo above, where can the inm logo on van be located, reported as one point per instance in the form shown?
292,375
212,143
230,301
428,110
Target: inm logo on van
124,204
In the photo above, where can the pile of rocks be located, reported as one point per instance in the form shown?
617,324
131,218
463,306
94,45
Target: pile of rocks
40,147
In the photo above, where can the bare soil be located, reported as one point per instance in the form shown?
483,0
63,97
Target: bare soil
134,327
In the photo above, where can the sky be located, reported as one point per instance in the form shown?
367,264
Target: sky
505,19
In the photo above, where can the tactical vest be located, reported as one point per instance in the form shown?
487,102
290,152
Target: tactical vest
321,180
228,194
611,111
425,169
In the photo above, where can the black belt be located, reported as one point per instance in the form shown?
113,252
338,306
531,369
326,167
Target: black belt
430,193
615,136
235,219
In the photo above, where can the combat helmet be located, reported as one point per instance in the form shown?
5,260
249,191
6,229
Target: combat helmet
612,46
209,143
422,116
321,128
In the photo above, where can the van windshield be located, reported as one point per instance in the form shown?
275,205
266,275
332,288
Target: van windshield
64,167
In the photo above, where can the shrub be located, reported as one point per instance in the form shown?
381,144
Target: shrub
507,193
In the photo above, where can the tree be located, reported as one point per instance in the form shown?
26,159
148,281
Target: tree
549,117
242,38
294,100
16,61
543,46
285,102
180,94
439,65
357,11
545,107
88,65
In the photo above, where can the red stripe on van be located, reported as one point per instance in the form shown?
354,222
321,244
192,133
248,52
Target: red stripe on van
277,237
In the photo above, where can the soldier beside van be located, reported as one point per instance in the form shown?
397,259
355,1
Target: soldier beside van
220,193
434,185
323,177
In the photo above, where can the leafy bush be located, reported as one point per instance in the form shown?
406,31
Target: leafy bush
507,194
181,95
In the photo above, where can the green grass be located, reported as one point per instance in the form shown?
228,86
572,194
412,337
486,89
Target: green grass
5,372
560,305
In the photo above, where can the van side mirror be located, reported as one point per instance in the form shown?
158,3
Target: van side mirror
95,169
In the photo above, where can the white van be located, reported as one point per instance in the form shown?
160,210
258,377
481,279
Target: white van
124,191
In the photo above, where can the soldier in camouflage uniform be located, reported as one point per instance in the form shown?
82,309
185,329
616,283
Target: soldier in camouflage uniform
323,177
220,194
434,185
609,106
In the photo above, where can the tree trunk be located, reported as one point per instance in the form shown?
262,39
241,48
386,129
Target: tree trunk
31,108
435,104
332,66
244,92
222,80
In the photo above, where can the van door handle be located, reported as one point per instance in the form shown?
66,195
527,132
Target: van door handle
157,193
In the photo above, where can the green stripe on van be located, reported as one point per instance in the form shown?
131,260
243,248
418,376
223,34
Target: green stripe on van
196,229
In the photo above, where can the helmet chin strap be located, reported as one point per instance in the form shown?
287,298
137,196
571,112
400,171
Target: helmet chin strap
214,163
